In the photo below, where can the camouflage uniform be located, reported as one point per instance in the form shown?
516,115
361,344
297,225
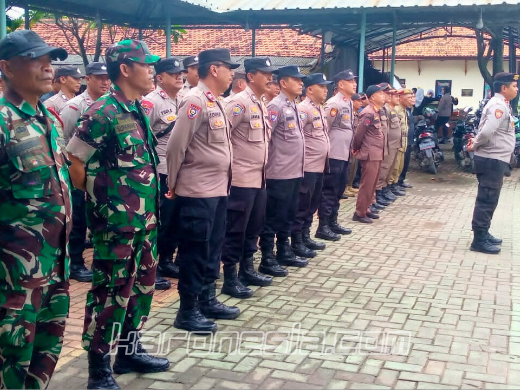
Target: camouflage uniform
115,143
35,221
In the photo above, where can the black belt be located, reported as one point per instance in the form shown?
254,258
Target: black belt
166,131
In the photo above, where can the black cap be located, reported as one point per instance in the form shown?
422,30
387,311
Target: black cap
190,61
344,75
263,64
217,55
315,78
275,80
168,65
375,88
96,68
26,43
504,77
70,70
357,96
289,71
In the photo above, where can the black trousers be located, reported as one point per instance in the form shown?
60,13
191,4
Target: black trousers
490,175
441,123
407,157
201,231
282,204
245,219
79,227
309,200
166,239
357,178
334,184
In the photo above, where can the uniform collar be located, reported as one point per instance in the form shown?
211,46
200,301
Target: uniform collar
207,92
309,101
62,95
376,108
285,99
88,98
251,94
500,96
119,96
162,93
23,106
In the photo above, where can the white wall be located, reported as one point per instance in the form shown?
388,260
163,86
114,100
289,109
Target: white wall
432,70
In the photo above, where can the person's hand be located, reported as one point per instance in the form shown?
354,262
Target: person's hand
170,195
469,146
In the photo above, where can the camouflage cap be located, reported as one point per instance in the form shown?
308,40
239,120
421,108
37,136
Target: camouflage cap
130,49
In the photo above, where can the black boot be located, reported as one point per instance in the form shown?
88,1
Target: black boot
388,195
79,272
249,277
405,185
232,285
99,372
134,358
161,283
481,244
336,227
381,199
377,206
373,209
269,265
493,240
299,248
396,191
325,232
167,267
212,308
191,319
285,255
310,243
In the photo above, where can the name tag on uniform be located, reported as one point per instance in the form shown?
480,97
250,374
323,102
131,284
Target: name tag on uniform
125,125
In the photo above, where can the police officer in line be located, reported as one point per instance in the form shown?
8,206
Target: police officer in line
35,216
250,133
357,105
199,155
317,148
284,174
340,120
273,90
238,85
191,72
161,106
493,146
113,158
70,79
98,84
402,184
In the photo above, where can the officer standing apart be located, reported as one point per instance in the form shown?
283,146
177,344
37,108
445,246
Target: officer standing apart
250,133
493,146
408,154
162,106
70,79
340,119
191,71
98,84
368,146
199,156
317,148
35,216
284,174
114,159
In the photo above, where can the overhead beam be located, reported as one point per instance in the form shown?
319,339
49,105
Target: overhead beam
392,64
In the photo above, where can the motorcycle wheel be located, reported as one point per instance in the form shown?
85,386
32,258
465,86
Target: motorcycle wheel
431,168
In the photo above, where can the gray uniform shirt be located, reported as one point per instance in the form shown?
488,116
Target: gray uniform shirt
72,112
340,119
57,102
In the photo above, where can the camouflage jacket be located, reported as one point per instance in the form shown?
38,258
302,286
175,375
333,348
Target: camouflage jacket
35,208
116,144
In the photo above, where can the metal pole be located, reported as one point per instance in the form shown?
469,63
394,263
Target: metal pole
253,42
512,51
27,18
3,21
362,50
384,60
140,34
168,31
323,52
394,40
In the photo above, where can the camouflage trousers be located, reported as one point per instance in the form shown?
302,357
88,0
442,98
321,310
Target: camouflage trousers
31,337
123,284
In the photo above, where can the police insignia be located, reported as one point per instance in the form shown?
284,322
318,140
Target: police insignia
193,111
333,112
210,96
171,118
147,106
498,114
273,115
218,123
163,94
238,109
210,104
303,115
291,125
346,117
254,109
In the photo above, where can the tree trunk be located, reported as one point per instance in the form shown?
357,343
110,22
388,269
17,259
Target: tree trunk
97,52
495,50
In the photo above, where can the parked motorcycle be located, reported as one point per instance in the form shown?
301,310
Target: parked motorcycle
517,141
426,148
464,131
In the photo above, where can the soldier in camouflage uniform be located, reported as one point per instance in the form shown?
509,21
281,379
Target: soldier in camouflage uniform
35,216
116,147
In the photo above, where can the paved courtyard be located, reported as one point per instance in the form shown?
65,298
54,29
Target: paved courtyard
411,305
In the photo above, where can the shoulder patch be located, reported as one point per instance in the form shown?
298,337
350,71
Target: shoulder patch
238,109
193,111
273,115
498,114
333,112
147,106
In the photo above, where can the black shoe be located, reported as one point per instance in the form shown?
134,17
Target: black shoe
212,308
382,201
79,272
285,256
388,195
372,215
373,209
481,244
357,218
336,227
396,191
233,286
249,277
325,232
299,248
134,358
493,240
344,196
190,318
355,184
405,184
310,243
378,206
167,268
161,283
99,372
269,265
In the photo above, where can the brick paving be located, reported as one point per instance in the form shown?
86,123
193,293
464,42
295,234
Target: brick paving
409,273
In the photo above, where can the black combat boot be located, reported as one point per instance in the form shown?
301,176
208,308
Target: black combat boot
132,357
269,265
481,244
378,206
99,372
78,271
309,242
388,195
396,191
167,267
249,277
325,232
381,199
299,248
285,255
493,240
161,283
212,308
191,319
373,209
336,227
232,285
